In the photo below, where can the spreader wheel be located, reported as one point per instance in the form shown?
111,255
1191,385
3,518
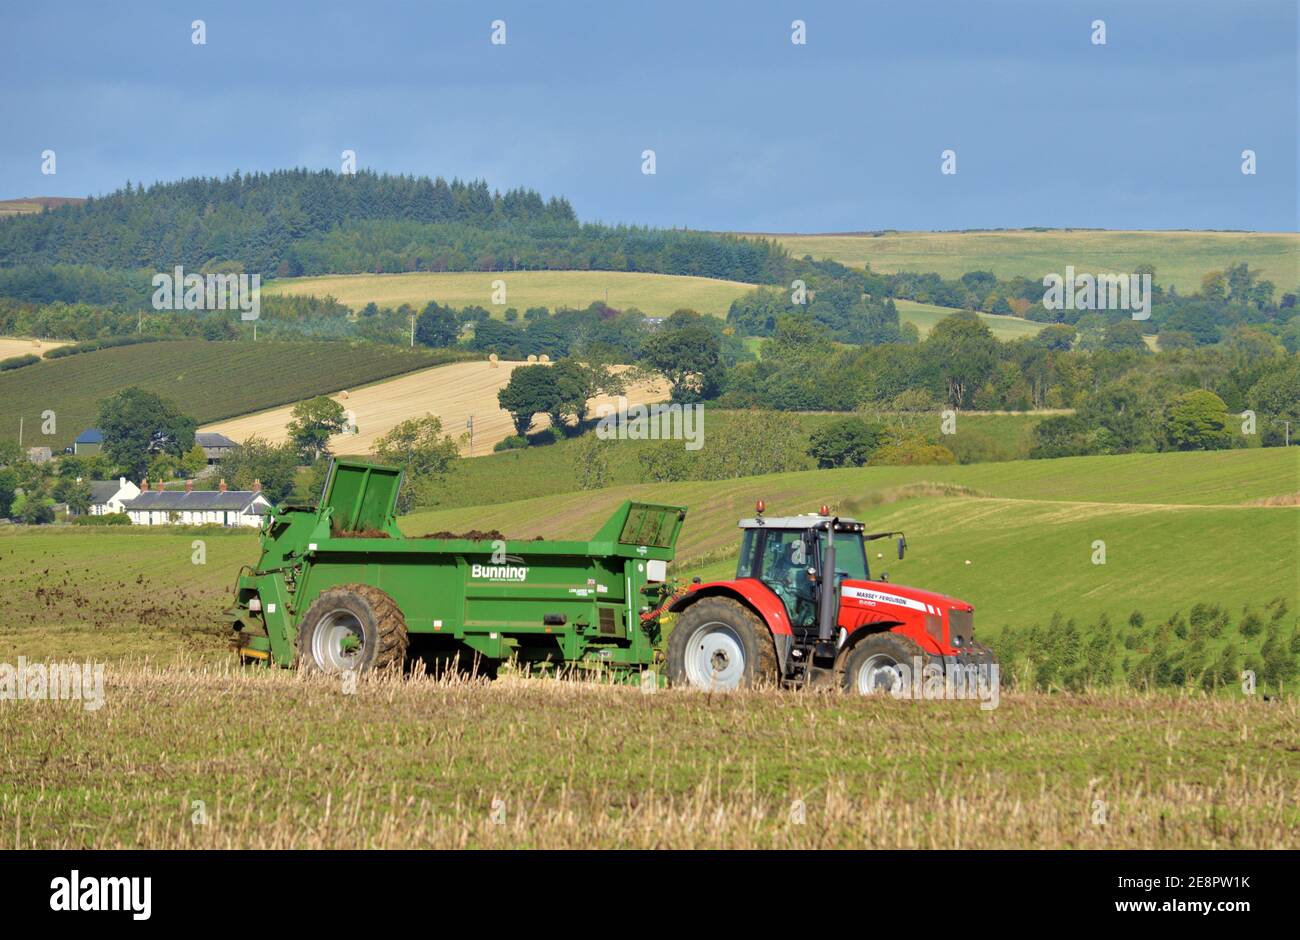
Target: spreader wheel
718,645
352,628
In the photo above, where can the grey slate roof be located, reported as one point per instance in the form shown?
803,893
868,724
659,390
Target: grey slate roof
90,436
101,491
197,501
213,439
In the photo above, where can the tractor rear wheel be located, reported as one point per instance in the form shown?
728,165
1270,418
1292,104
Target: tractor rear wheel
718,645
352,628
872,667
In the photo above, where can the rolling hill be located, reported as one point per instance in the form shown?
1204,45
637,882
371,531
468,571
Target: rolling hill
652,294
925,316
1180,258
207,380
550,469
1178,528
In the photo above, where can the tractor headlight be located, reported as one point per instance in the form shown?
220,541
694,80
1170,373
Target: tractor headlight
956,640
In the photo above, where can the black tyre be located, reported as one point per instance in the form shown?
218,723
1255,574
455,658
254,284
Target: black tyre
352,628
718,645
872,666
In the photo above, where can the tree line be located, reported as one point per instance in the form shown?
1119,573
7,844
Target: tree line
299,222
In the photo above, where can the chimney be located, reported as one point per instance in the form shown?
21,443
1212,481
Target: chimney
144,485
121,483
189,486
257,486
222,486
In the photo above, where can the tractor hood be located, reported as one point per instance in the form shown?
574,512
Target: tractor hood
885,593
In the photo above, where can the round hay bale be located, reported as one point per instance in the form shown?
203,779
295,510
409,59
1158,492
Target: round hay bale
532,358
543,358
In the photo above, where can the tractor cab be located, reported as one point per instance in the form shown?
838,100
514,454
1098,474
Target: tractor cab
805,560
788,555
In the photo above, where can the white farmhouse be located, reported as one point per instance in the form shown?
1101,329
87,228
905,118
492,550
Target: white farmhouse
110,496
201,507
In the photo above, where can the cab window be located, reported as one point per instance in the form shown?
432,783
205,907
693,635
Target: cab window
748,548
850,556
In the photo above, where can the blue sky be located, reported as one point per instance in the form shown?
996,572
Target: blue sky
750,132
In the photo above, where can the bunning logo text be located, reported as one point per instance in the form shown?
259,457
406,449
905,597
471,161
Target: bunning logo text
499,572
181,291
76,893
1099,292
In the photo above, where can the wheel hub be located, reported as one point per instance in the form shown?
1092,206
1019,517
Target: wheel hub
715,659
338,641
878,674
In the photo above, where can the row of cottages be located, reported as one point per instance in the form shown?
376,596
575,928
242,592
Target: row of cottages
198,507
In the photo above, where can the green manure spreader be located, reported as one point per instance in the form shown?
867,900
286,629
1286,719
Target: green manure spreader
339,588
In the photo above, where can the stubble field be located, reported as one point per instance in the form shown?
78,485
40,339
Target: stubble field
187,755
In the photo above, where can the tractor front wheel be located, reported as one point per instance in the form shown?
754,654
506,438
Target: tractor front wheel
875,665
352,628
718,645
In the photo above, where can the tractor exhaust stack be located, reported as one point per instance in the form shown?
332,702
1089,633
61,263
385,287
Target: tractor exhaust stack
827,610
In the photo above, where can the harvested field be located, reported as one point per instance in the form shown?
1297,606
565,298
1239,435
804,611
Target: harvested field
425,763
19,346
452,393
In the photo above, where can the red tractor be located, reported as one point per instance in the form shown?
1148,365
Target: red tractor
803,610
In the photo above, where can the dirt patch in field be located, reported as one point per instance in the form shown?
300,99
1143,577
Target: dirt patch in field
473,535
1287,499
358,534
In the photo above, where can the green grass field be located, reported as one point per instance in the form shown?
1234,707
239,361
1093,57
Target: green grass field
925,316
1180,258
1178,528
550,469
207,380
420,762
653,294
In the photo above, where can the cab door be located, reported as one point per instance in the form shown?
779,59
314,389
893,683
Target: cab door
786,558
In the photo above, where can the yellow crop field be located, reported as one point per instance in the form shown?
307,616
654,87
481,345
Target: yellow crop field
653,294
453,393
1180,258
16,346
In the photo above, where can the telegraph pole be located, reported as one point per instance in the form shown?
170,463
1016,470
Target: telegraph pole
412,331
470,424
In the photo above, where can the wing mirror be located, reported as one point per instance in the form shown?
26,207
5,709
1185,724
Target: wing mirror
902,547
